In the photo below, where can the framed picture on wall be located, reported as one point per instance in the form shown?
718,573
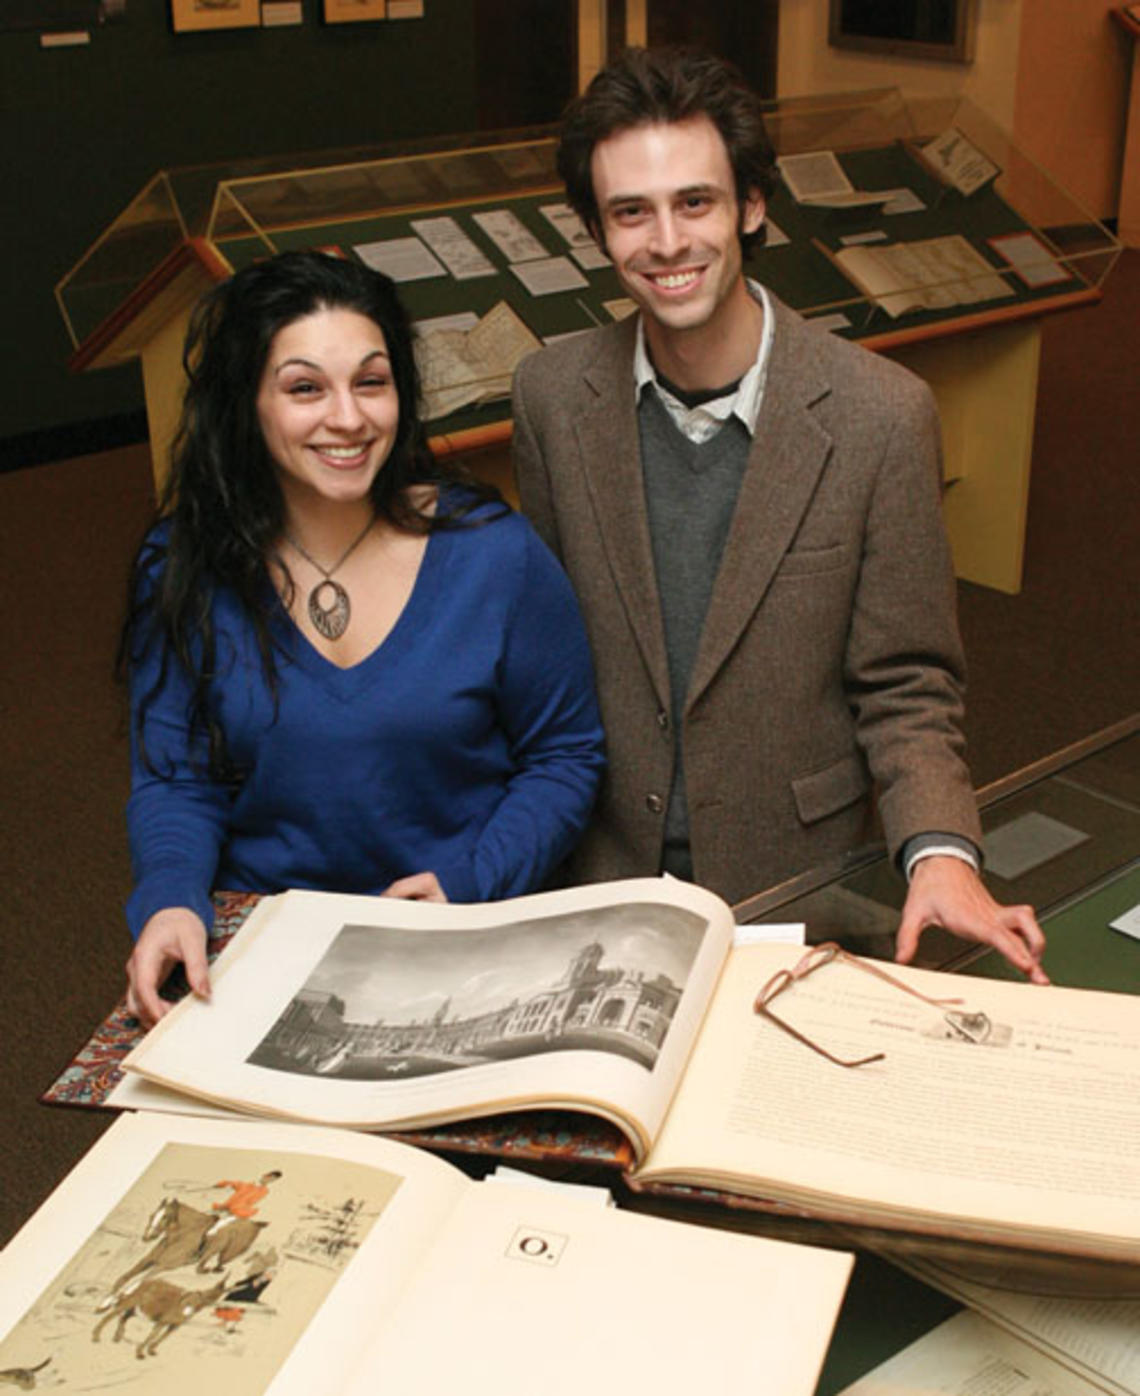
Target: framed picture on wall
352,11
942,29
214,14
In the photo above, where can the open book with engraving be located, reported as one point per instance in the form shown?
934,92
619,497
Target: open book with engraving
185,1255
990,1111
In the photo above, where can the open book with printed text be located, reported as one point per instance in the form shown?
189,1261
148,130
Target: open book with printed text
991,1111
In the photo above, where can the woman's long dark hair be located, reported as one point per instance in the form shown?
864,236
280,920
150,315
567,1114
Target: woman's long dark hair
222,503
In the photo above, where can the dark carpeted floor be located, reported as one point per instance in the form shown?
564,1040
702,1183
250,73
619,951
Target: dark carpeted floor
1062,659
1048,667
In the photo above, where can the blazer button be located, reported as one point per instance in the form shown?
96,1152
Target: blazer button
662,719
654,804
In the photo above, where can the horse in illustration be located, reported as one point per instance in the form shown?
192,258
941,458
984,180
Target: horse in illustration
167,1305
184,1235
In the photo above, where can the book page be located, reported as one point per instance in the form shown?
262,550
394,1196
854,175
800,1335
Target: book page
957,161
549,276
531,1291
510,235
914,265
453,247
934,274
876,276
500,340
136,1093
183,1256
403,259
814,175
448,380
1015,1114
854,198
379,1012
1030,258
954,264
458,367
567,224
590,258
966,1356
1097,1337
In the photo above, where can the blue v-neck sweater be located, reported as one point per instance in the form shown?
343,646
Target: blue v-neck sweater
467,744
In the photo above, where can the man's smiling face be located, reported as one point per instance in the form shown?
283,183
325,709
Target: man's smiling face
671,223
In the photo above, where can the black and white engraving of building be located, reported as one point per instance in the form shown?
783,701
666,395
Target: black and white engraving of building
592,1007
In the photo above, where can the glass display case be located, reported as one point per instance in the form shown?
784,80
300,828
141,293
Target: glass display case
948,172
1062,835
183,206
881,141
913,225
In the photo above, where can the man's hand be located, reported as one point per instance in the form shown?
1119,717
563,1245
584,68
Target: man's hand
172,936
419,887
947,892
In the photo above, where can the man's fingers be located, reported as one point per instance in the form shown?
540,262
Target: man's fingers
1023,922
1022,942
906,942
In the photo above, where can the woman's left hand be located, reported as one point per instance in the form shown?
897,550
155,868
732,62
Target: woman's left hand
419,887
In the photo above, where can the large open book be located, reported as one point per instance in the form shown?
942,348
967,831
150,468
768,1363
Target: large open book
1009,1116
186,1255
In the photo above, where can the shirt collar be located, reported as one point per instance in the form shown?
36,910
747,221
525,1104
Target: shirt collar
744,403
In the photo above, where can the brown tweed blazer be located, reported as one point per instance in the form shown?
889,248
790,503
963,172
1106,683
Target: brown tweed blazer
830,664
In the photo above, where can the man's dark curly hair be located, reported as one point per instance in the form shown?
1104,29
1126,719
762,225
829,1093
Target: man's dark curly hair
661,85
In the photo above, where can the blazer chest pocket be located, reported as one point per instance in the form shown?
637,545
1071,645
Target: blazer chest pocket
836,787
809,562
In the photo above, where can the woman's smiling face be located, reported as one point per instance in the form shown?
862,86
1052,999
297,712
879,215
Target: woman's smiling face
328,406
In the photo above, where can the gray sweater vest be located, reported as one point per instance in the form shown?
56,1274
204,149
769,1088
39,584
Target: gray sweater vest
690,495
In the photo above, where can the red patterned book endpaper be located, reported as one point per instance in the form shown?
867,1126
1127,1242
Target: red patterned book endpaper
533,1134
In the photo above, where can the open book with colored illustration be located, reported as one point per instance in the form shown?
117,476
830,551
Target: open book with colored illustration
187,1255
989,1110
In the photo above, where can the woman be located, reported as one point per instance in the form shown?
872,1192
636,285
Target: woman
347,670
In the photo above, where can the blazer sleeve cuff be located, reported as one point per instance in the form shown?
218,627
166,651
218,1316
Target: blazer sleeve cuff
935,845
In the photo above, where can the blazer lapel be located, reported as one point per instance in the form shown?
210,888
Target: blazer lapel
788,454
609,447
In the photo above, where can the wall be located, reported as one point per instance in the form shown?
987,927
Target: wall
1051,72
84,128
808,65
1071,101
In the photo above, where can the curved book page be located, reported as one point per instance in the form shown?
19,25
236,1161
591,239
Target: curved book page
1012,1116
381,1013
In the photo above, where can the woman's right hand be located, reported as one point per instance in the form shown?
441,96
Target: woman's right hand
419,887
174,935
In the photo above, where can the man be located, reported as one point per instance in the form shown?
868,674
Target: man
242,1203
749,509
244,1198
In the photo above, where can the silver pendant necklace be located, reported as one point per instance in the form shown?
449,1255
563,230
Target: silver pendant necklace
330,616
